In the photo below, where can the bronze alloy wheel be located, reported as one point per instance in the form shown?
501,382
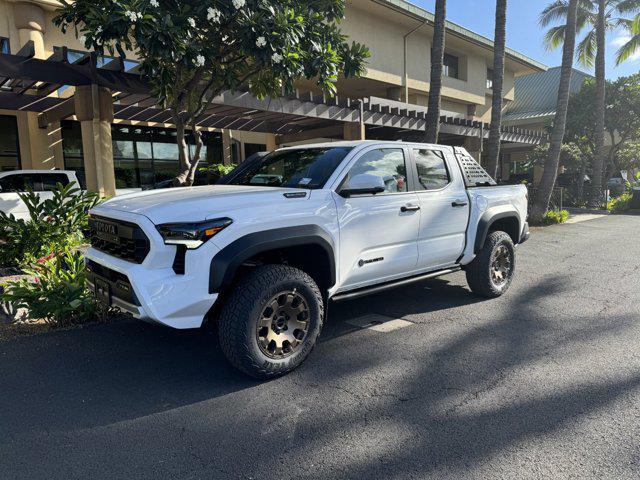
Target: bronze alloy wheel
501,266
283,325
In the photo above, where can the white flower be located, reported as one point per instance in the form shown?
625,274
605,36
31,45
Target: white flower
213,15
276,58
225,39
261,42
199,61
154,3
98,30
192,22
239,4
133,16
83,39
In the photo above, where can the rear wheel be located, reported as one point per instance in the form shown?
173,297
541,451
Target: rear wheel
491,272
270,322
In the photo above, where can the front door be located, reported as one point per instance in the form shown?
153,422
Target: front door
378,233
444,209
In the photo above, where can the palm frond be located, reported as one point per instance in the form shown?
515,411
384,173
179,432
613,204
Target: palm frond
554,37
586,49
554,12
627,6
628,49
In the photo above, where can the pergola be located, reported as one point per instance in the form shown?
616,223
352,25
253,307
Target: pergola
105,92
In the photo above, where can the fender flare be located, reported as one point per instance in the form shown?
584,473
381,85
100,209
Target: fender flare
489,217
226,262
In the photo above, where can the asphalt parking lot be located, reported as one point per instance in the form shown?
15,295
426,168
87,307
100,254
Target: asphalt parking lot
541,383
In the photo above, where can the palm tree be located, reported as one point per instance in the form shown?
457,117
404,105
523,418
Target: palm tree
543,196
493,154
633,45
437,60
596,16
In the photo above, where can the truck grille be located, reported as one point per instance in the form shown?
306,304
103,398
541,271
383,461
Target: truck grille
121,239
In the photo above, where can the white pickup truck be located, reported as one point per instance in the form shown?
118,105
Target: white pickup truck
41,182
263,253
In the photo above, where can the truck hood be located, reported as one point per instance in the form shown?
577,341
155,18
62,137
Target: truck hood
190,204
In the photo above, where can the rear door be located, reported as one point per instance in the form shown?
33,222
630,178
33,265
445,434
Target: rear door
378,233
444,207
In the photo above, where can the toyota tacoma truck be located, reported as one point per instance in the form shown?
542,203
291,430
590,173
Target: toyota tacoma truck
264,252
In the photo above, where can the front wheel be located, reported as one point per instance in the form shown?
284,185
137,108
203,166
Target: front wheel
270,322
491,272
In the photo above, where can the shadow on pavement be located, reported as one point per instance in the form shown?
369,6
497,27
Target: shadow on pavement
104,374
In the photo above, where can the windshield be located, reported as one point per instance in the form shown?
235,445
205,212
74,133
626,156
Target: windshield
299,168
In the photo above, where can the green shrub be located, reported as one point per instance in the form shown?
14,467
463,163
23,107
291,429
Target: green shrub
620,204
57,294
217,170
54,225
553,217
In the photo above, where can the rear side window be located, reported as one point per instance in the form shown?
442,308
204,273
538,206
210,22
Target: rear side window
387,163
49,181
20,183
432,169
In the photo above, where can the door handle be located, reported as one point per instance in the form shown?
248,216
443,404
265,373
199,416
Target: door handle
459,203
409,208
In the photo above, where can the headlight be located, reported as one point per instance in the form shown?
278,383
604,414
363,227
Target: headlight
192,235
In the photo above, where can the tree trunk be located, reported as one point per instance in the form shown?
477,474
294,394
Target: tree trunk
545,189
493,150
196,156
437,59
580,184
183,153
601,85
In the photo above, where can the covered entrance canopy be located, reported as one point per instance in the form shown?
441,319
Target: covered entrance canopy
113,89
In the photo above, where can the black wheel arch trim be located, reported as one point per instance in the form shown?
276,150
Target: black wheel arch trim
226,262
491,216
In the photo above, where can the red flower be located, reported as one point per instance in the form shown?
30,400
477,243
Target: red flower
47,258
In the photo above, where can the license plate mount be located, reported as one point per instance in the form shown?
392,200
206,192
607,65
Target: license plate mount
103,291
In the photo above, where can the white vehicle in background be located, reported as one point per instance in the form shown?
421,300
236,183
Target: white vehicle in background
336,221
41,182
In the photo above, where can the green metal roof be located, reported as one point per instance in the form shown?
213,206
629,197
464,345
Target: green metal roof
423,14
536,94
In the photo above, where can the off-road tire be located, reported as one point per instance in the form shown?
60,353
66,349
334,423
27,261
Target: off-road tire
478,272
238,320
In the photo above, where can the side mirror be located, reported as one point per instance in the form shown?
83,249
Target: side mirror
363,184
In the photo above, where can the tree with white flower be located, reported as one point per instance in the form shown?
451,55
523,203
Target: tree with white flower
192,50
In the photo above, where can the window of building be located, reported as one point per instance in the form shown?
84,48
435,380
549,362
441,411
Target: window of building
432,169
489,78
9,145
451,66
143,157
387,163
253,148
5,47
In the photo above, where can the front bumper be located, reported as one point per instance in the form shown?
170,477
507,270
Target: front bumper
152,290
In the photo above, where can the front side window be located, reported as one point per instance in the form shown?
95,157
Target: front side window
300,168
432,169
387,163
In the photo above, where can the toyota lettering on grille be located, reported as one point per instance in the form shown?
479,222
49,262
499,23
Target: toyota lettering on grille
106,231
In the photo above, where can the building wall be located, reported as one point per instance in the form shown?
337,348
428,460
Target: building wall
379,27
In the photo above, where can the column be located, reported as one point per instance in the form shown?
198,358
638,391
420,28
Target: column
227,154
94,111
272,142
353,131
44,145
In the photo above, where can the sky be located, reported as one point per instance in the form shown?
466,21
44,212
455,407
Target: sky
523,33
